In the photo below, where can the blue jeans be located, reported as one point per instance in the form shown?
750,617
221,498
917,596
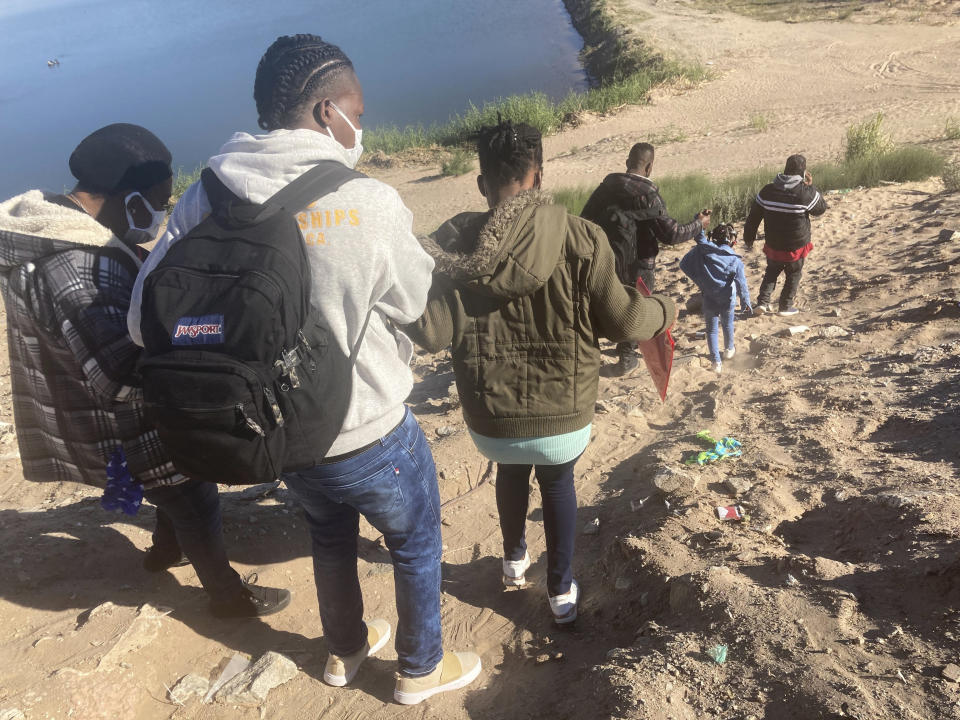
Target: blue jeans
714,314
394,486
193,510
559,516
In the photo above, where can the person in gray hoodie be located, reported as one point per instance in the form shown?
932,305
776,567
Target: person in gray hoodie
366,261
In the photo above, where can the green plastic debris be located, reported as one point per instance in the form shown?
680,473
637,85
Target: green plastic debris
726,447
718,653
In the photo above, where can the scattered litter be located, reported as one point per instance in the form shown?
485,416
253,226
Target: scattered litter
592,527
637,504
900,675
726,447
795,330
730,513
446,431
718,653
791,580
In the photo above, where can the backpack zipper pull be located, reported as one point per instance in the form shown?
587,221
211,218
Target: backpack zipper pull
249,421
272,399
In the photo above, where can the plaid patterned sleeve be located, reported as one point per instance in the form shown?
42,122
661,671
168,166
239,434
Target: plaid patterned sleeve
91,294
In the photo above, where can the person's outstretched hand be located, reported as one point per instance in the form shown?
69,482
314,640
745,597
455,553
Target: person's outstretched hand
704,218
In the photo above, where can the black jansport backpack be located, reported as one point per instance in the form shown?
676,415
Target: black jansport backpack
241,377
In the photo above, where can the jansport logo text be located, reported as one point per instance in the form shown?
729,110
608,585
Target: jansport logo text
194,330
199,330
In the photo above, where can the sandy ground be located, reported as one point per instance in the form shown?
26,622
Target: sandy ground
839,596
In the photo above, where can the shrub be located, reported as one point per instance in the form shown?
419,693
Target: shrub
573,199
951,177
867,139
182,180
460,162
760,123
951,128
670,134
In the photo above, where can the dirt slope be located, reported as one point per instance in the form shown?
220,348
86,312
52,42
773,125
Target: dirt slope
845,574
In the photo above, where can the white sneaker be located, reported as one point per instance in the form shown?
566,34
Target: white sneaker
564,607
761,309
788,312
342,669
514,571
729,353
718,367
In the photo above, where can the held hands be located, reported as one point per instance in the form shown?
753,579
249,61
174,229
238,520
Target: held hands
703,217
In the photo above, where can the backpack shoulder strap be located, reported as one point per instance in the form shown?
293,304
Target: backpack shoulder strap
326,177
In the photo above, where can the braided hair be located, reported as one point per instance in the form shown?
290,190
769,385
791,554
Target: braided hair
291,73
508,152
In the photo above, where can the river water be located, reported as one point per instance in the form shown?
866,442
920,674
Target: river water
185,68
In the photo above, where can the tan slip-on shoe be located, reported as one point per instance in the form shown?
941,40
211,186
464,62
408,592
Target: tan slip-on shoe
341,669
455,671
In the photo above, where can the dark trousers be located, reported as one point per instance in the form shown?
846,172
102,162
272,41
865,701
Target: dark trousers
190,512
792,272
645,269
559,516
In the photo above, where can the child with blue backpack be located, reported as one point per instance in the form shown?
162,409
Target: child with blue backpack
718,271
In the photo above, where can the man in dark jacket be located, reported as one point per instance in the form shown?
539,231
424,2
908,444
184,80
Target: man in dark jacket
634,217
67,267
785,207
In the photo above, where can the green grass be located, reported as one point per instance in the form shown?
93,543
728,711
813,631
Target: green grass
182,180
951,128
534,109
759,122
669,134
951,177
460,162
867,139
730,197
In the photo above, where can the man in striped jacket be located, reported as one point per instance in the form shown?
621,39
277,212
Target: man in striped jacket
785,207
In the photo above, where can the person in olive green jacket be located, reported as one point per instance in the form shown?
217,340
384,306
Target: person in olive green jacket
523,293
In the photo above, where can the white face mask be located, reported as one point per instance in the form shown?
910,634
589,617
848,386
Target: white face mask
136,235
354,153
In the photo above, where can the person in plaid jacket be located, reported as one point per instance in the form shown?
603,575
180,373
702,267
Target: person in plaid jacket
67,267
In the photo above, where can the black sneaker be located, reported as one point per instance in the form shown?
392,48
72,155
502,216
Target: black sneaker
158,559
253,601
